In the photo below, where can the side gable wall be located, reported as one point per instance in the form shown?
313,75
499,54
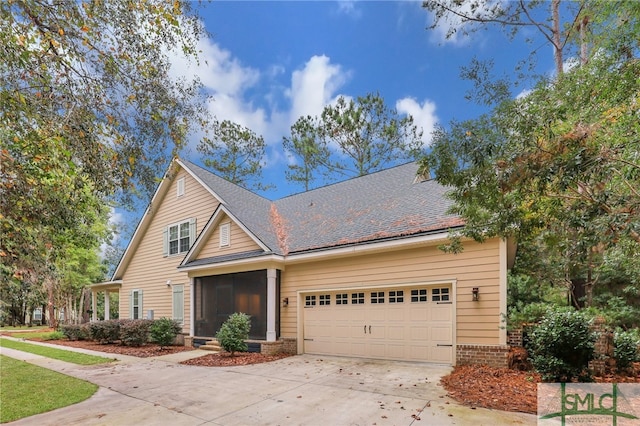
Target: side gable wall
149,270
240,241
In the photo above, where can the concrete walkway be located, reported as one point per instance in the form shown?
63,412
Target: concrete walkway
300,390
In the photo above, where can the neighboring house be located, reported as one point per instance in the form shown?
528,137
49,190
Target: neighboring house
349,269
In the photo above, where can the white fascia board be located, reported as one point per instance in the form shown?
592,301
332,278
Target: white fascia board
269,258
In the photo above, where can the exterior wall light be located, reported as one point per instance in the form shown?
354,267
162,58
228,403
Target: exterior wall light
168,283
285,302
474,293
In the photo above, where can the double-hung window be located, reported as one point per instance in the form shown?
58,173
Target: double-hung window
178,237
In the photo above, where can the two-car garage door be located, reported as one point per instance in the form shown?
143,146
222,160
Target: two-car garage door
401,323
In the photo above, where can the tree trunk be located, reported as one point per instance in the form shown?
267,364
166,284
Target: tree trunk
557,42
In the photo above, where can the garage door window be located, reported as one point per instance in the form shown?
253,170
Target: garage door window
419,295
310,301
377,297
342,299
440,295
396,296
357,298
325,299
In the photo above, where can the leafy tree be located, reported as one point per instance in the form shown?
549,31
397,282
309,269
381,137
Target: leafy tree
309,151
235,152
557,168
369,134
350,138
88,107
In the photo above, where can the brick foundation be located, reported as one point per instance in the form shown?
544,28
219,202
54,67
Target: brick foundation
491,355
282,345
514,337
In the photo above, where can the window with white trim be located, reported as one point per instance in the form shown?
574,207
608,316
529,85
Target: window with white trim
180,187
377,297
419,295
225,235
325,299
178,237
310,301
342,299
440,295
396,296
135,304
357,298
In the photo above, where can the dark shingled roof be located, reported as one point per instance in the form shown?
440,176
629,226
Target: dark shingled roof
388,204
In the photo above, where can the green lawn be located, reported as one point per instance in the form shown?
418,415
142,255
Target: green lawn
28,389
24,328
60,354
45,335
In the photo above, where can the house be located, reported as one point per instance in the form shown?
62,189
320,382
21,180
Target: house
351,269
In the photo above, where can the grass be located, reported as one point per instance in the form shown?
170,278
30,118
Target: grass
28,389
24,328
44,335
59,354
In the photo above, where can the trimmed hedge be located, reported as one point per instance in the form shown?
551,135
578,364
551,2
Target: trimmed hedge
105,331
134,332
76,331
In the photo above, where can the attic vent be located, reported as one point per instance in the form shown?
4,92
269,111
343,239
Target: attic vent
180,187
423,177
225,235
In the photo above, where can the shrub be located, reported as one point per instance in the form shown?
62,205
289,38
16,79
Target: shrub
105,331
134,332
234,332
562,345
164,331
76,331
625,349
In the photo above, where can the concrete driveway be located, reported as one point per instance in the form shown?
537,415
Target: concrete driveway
300,390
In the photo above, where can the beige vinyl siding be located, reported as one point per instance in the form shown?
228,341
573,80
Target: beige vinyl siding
477,266
149,270
240,241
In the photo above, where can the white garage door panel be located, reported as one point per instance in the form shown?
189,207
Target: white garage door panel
410,326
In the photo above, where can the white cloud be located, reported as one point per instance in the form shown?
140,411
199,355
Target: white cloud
315,86
424,115
348,7
217,69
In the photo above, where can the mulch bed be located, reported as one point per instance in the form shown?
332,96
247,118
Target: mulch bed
222,359
505,389
239,358
144,351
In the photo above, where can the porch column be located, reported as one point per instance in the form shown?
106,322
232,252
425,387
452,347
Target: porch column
106,305
192,307
271,305
94,306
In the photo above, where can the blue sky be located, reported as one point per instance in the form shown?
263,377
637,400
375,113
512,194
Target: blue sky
267,63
